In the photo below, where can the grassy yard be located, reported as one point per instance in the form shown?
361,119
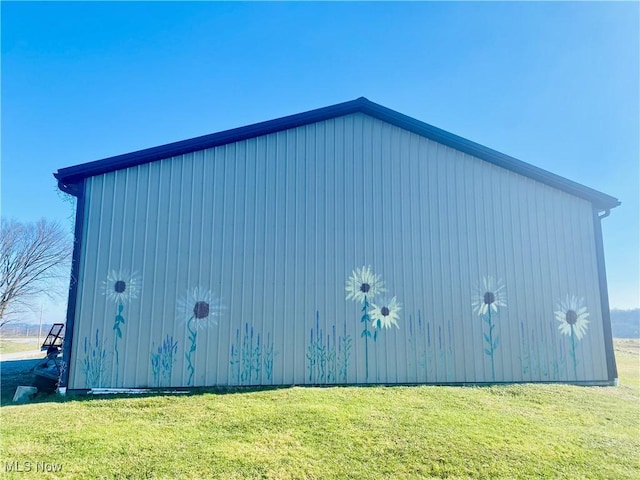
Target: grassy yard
15,345
517,431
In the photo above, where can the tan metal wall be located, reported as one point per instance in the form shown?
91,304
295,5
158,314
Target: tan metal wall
271,229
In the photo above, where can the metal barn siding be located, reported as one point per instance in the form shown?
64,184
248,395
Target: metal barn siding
232,266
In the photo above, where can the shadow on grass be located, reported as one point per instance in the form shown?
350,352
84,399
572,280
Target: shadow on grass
14,373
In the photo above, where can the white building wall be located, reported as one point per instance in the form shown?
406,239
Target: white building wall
272,227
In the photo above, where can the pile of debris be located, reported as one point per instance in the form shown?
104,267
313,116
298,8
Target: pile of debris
47,373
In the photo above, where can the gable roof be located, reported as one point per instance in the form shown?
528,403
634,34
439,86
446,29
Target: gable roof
69,176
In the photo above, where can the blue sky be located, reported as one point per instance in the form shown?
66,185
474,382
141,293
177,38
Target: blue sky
553,84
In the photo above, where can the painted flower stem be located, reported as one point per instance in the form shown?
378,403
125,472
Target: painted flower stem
119,320
492,343
493,367
573,353
366,334
193,335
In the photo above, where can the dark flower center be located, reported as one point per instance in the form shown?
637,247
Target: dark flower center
571,317
384,311
120,286
201,310
489,298
365,287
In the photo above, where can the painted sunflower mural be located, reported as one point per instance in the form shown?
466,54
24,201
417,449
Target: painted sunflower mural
120,287
489,298
198,309
572,316
365,287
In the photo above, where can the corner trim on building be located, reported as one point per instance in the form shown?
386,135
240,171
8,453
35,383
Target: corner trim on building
612,370
78,191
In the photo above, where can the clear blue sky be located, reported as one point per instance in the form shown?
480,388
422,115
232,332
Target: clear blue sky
553,84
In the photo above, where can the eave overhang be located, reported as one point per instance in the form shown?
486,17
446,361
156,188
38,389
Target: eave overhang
71,176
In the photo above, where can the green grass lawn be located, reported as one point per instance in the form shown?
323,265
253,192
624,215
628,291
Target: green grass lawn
15,345
516,431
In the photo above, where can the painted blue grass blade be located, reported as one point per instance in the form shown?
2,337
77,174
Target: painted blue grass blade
488,352
487,339
496,343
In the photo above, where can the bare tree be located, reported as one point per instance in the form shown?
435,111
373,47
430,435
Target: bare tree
34,258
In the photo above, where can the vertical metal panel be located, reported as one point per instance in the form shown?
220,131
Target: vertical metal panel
272,227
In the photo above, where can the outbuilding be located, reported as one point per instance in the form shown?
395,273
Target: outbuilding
345,245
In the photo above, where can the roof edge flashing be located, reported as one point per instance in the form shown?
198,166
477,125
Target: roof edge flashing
75,174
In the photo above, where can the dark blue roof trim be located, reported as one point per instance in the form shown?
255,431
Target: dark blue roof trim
71,175
79,192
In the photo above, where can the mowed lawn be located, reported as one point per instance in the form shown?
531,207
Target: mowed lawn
516,431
